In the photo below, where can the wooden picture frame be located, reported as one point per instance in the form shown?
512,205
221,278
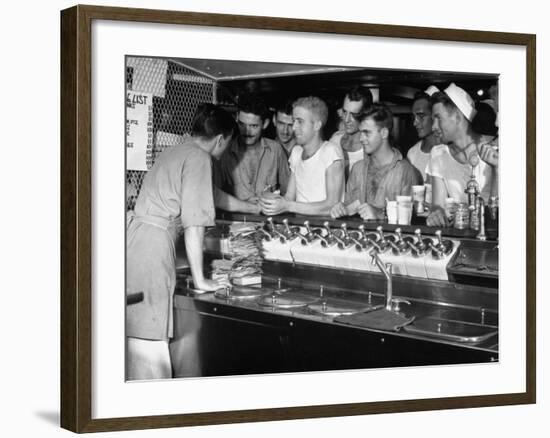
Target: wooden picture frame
76,217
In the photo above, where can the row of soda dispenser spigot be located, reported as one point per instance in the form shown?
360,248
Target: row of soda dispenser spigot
360,239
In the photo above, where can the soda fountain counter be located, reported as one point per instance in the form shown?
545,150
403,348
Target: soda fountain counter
342,294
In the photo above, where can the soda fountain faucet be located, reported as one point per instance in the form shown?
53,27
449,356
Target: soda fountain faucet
386,269
291,233
421,245
400,246
275,232
311,233
330,239
345,241
442,247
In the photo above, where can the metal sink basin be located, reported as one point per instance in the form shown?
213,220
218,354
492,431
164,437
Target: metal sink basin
286,300
337,307
454,331
242,292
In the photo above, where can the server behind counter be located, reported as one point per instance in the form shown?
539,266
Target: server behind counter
176,192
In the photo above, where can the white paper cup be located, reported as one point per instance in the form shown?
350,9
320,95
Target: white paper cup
404,213
391,212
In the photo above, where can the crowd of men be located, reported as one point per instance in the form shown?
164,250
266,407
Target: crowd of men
359,168
356,171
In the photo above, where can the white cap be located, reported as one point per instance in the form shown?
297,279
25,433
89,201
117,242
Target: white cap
462,100
431,90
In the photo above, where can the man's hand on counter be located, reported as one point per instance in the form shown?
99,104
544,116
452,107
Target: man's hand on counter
273,205
338,210
368,212
211,285
437,218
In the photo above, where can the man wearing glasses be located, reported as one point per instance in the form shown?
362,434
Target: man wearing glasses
356,100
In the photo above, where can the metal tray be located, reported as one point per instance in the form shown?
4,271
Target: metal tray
286,300
242,292
455,331
336,307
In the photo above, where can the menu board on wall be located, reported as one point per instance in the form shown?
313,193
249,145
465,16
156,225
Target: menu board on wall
139,130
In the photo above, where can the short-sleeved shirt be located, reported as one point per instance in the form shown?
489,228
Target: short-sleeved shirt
234,174
177,191
419,159
456,175
310,174
350,158
374,186
179,185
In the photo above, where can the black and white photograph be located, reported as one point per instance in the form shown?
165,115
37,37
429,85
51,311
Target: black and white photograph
298,218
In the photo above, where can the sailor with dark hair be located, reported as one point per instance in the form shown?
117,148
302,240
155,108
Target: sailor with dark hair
282,121
356,100
419,154
252,163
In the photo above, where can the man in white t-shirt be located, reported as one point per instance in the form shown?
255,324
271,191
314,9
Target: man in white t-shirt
317,167
451,163
419,154
356,100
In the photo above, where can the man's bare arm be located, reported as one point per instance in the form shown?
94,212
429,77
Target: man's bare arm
227,202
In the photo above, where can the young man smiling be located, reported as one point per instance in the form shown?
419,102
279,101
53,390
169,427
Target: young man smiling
382,175
357,100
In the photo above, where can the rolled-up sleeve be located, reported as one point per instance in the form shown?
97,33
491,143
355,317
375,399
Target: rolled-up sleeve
197,200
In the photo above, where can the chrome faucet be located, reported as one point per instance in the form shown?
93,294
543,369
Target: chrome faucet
290,232
345,241
311,233
276,233
330,239
421,245
265,234
383,242
442,247
399,245
481,211
386,269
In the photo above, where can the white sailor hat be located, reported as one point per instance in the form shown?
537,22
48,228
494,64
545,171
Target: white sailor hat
462,100
431,90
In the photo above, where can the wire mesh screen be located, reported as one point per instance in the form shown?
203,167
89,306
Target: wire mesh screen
175,93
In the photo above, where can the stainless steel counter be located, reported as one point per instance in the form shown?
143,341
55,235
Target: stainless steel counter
462,326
